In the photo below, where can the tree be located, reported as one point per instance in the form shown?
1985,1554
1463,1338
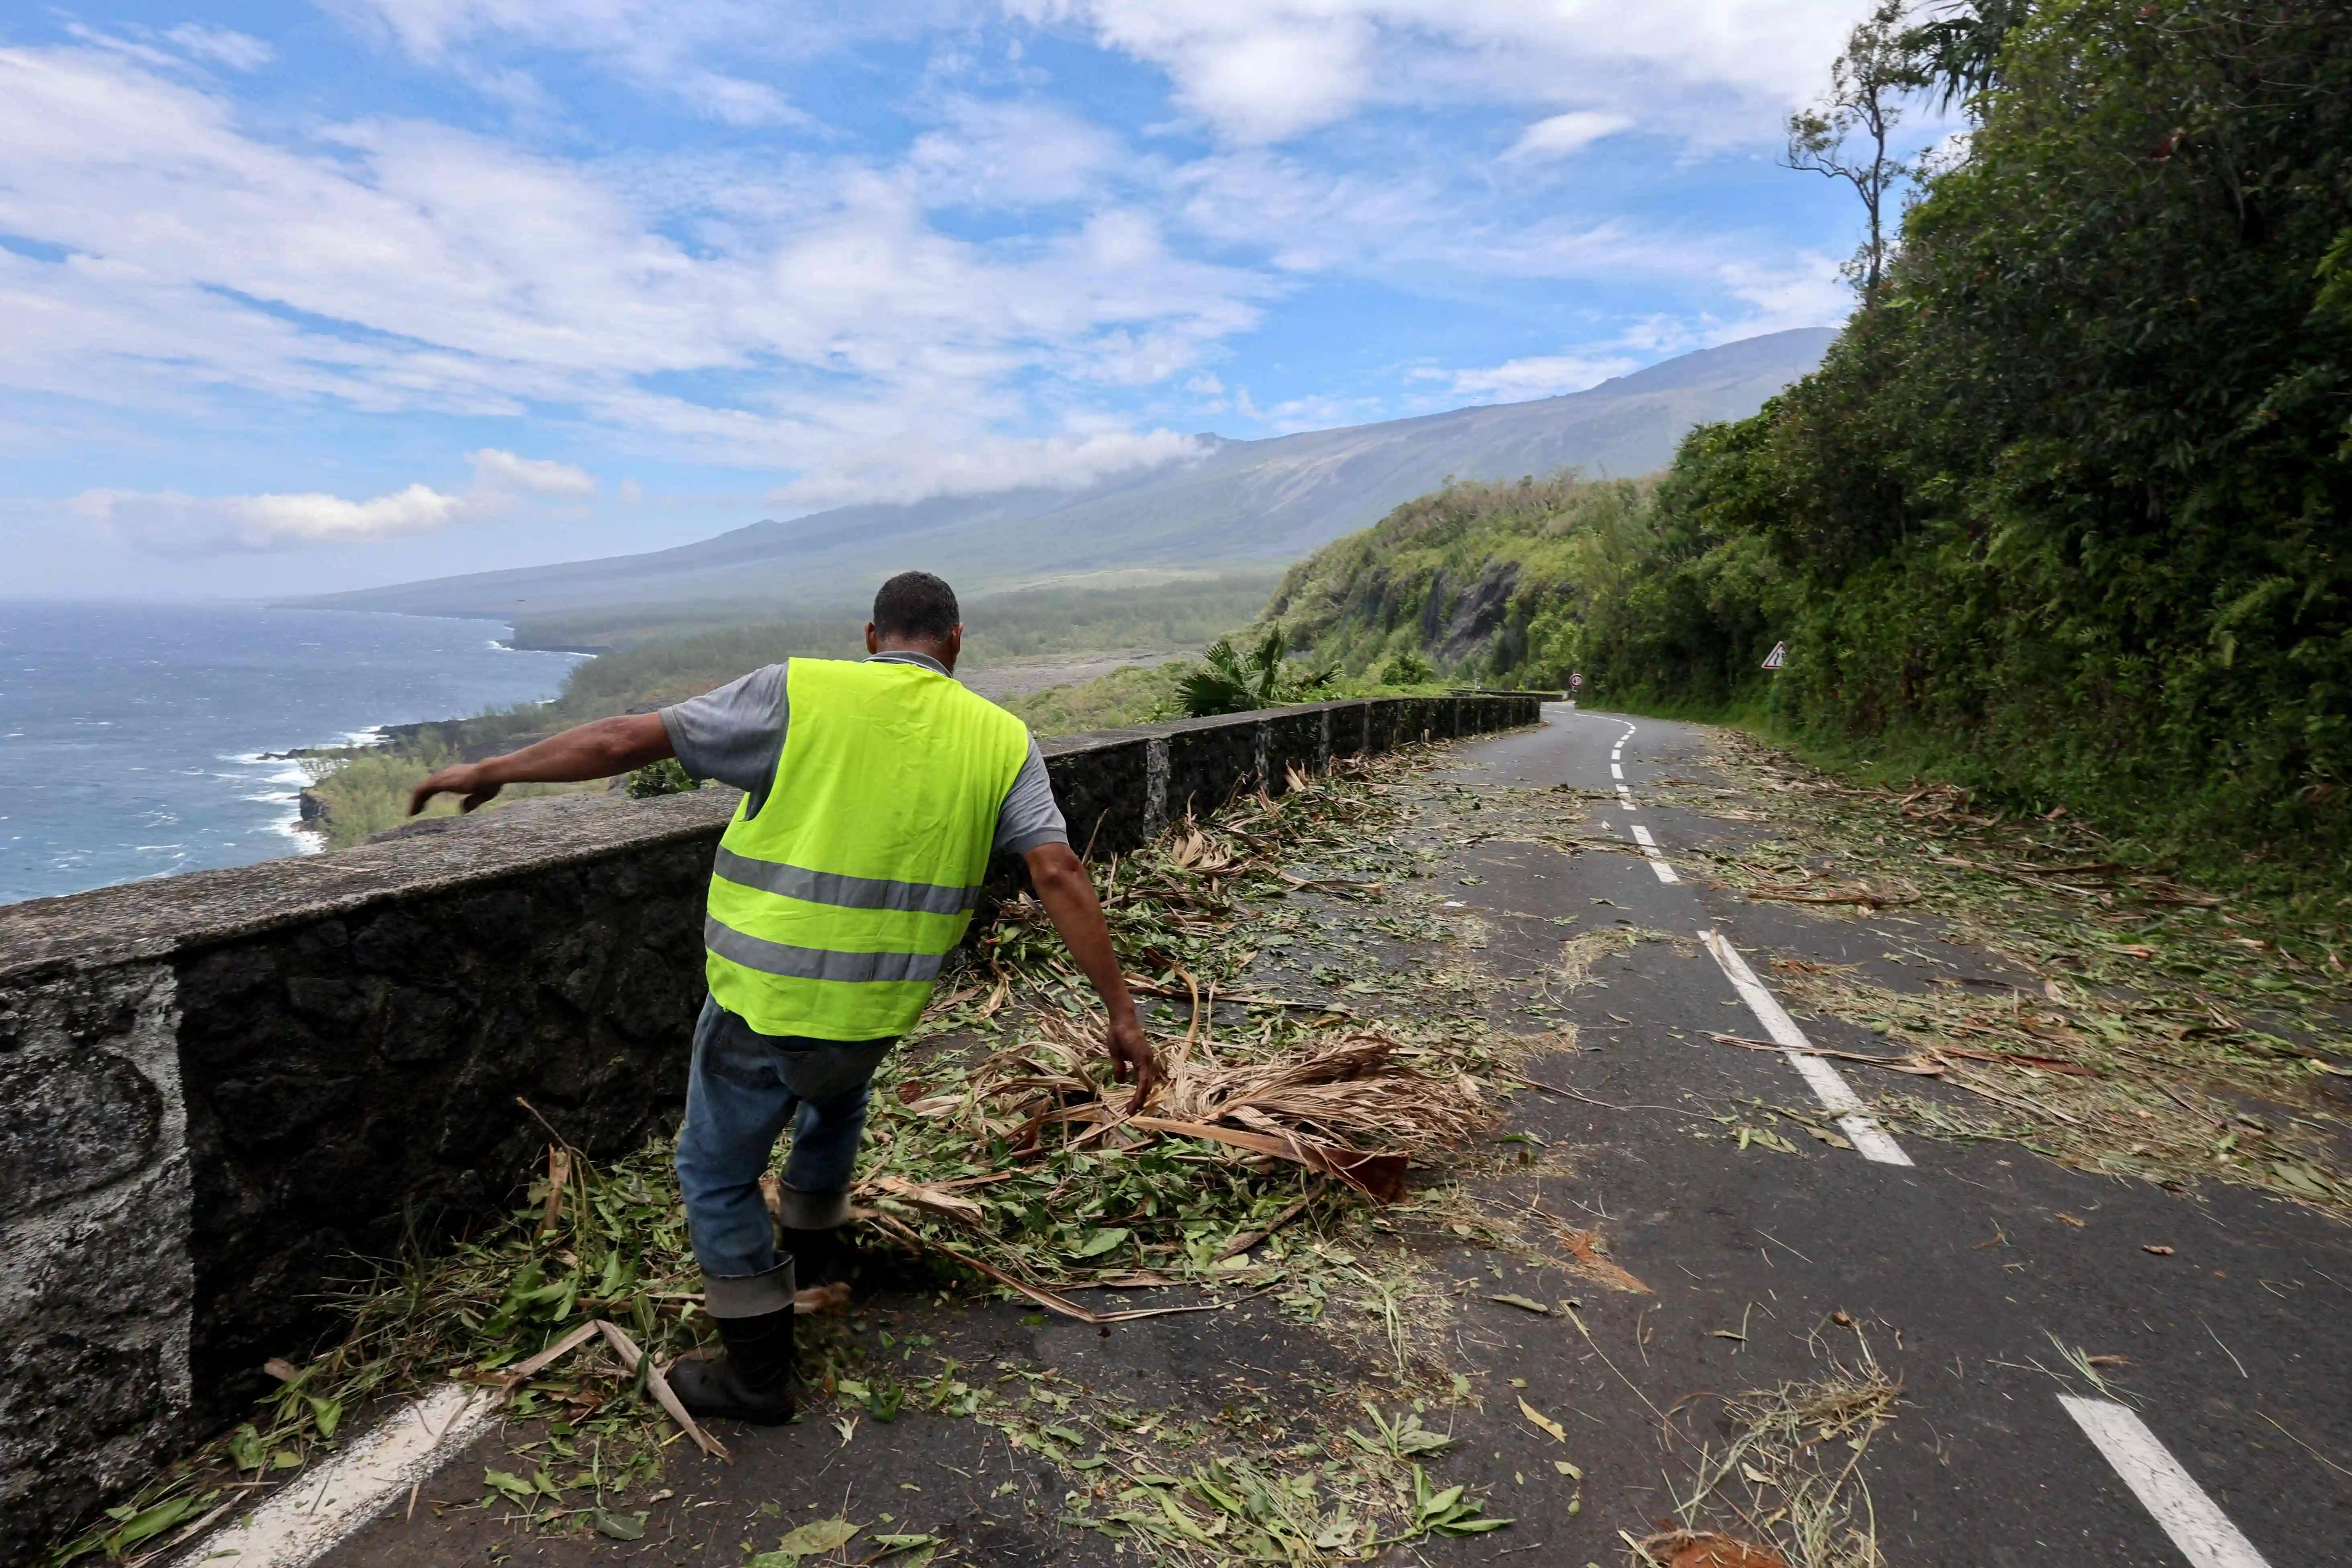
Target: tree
1232,682
1958,48
1846,135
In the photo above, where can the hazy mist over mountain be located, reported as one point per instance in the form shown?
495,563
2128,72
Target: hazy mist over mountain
1265,502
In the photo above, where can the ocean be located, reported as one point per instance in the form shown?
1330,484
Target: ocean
134,738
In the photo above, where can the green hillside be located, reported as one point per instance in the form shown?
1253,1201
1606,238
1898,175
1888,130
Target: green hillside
1497,584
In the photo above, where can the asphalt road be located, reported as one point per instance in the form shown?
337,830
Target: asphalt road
1955,1269
1957,1263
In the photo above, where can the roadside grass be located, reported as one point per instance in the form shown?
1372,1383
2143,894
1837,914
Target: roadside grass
2162,1031
2161,838
365,789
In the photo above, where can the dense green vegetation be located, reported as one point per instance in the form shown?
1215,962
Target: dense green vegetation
364,790
2063,513
1498,582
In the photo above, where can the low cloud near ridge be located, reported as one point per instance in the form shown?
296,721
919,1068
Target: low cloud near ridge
167,523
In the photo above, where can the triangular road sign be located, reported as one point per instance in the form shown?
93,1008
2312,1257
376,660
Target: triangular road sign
1777,657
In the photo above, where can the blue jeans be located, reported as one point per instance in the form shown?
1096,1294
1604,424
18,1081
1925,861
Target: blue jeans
743,1087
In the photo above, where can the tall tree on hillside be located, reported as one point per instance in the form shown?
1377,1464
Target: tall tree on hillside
1846,135
1959,46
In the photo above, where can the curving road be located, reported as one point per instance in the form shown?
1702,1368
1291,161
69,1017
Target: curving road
1953,1258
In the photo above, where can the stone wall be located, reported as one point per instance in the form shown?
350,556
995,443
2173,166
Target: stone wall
217,1090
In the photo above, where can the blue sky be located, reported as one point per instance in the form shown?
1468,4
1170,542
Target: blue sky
300,295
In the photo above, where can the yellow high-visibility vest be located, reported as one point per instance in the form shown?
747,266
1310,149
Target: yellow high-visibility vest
833,909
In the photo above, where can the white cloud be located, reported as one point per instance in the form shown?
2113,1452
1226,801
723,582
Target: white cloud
1011,154
496,471
1264,70
168,522
1537,375
222,45
1563,134
912,471
394,265
653,44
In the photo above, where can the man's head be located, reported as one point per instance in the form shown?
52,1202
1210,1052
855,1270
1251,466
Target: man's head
917,612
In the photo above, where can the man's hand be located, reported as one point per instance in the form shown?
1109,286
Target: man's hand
461,779
596,749
1068,895
1132,1055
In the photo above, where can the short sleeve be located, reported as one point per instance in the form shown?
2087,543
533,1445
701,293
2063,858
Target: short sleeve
734,734
1030,816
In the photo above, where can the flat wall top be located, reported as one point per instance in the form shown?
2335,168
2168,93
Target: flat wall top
153,919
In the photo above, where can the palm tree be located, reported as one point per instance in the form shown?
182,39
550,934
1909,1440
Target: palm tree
1231,682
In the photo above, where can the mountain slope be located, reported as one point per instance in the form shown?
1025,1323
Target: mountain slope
1238,501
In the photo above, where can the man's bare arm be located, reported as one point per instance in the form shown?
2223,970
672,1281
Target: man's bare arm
596,750
1068,894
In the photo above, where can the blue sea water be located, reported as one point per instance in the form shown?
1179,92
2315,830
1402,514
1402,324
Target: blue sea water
133,737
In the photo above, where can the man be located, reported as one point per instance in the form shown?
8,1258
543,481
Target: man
874,793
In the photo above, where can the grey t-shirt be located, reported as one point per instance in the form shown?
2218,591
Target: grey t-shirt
735,735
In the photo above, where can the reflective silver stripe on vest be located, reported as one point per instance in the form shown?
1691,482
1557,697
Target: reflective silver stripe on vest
844,892
815,962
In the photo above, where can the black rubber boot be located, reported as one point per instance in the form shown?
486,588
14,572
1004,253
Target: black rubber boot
751,1381
819,1257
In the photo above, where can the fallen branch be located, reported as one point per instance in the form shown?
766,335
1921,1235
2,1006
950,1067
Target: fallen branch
2029,1108
1330,884
1038,1293
630,1356
925,1197
1579,1094
1379,1176
1149,988
1785,893
1892,1064
1247,1239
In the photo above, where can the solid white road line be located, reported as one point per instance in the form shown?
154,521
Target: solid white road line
2201,1531
1836,1096
317,1509
1650,847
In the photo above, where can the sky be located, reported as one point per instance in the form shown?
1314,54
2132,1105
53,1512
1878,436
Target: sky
300,295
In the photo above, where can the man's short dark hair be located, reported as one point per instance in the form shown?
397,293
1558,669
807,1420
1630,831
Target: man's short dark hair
916,606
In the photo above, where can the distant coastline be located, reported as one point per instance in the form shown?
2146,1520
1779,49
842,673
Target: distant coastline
140,741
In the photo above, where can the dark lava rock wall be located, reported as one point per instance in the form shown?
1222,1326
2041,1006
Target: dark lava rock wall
219,1092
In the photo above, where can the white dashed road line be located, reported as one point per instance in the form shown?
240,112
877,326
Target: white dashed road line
2201,1531
1836,1096
1650,847
322,1508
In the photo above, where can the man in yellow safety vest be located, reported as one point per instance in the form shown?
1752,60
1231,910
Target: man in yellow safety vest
874,793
